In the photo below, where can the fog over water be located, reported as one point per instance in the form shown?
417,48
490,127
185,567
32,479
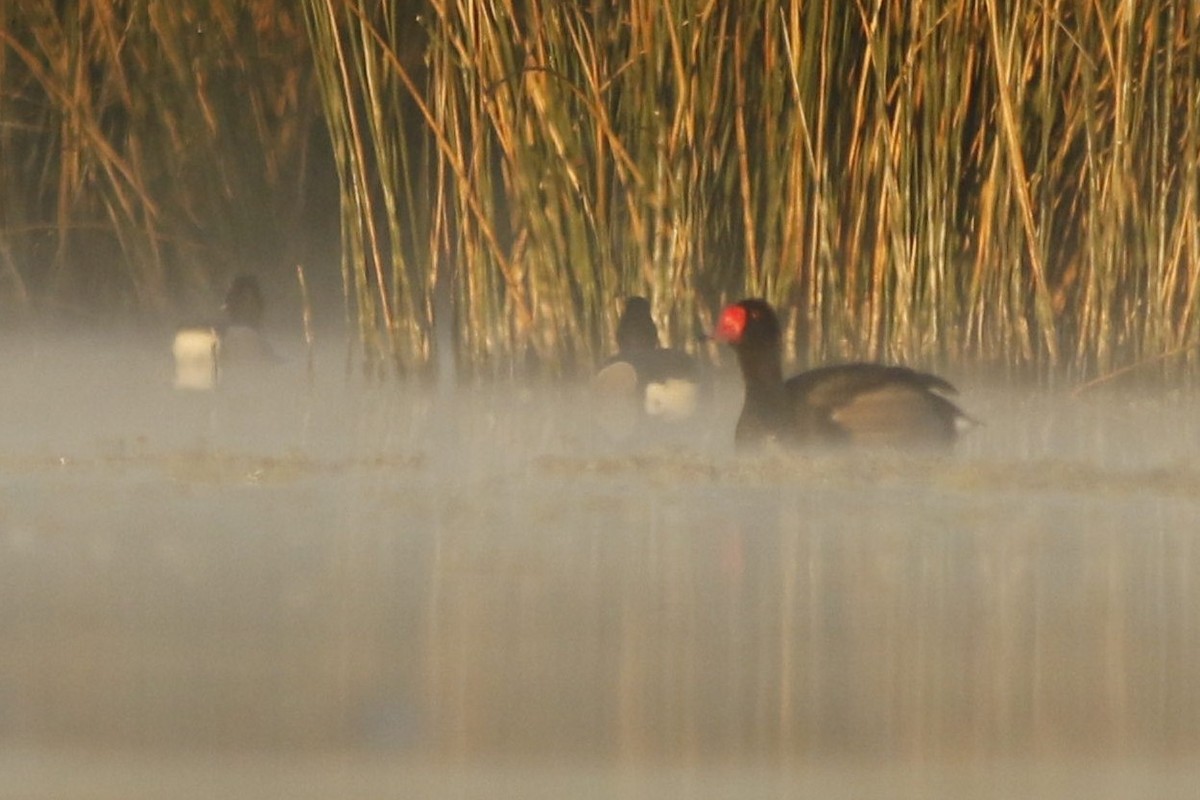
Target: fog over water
338,589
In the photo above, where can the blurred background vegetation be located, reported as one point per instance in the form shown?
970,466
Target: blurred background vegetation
1003,182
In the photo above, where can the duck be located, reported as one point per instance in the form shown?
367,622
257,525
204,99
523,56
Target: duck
843,404
202,352
644,382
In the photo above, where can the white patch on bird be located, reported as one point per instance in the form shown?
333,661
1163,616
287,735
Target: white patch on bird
672,400
964,423
195,352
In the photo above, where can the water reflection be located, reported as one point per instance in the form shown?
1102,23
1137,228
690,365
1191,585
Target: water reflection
390,572
813,620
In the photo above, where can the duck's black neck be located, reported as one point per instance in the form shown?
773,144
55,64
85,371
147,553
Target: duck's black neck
762,371
764,410
762,365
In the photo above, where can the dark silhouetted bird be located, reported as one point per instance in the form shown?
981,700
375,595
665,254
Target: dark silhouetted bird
860,404
204,352
645,383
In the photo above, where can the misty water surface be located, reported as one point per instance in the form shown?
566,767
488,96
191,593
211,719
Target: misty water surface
336,588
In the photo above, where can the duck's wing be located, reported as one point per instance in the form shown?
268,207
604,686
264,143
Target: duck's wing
898,413
832,386
874,403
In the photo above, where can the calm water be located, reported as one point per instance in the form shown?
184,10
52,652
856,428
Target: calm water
298,590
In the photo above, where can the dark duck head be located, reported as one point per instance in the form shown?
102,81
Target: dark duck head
636,331
243,304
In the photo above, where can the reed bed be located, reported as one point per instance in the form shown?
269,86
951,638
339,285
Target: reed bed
936,181
927,181
150,148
